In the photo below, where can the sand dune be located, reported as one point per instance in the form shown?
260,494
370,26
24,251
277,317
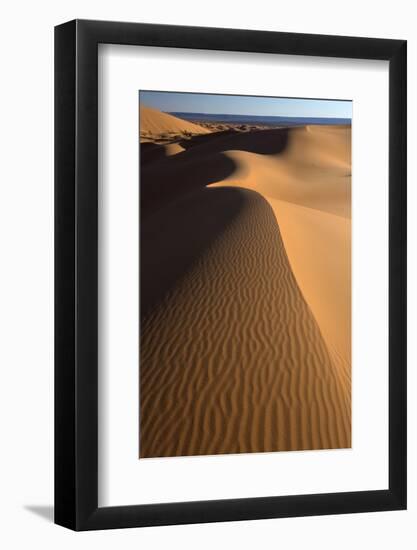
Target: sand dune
245,292
308,187
155,124
312,170
232,358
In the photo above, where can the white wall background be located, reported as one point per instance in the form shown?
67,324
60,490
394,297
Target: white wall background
26,274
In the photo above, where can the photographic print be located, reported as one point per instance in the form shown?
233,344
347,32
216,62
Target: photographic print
203,287
245,274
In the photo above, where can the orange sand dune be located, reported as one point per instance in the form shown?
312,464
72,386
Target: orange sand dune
308,187
245,292
313,170
232,359
157,124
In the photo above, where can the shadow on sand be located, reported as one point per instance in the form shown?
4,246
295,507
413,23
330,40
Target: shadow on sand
174,237
163,178
180,216
263,142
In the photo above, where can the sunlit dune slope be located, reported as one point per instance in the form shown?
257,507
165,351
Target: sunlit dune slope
309,187
313,169
154,123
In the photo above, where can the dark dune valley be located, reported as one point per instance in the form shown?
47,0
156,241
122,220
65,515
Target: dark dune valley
245,287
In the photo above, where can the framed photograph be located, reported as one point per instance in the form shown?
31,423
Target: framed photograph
230,249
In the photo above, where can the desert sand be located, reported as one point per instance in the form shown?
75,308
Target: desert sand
245,288
155,125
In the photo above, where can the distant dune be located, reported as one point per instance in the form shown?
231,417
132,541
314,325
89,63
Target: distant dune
155,124
245,291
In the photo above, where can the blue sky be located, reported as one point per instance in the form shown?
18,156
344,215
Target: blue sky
245,105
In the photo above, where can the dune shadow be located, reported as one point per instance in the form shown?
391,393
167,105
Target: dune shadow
174,237
163,178
163,182
152,152
263,142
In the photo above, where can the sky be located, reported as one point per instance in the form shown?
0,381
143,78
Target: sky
245,105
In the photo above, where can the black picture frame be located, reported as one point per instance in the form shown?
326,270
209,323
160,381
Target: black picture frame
76,272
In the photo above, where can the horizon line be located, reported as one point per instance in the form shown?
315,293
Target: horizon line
248,115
